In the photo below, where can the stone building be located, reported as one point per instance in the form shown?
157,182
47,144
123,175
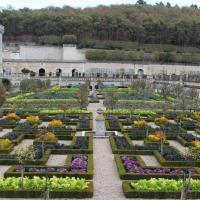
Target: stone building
70,61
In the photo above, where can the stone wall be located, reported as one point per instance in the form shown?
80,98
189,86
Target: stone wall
15,66
1,46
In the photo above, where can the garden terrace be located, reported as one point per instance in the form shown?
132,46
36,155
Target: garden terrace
52,98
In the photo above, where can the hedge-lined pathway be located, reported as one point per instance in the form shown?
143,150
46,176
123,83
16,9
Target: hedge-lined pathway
93,107
107,184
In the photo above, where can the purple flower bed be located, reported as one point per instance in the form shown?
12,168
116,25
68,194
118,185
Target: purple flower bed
79,164
131,165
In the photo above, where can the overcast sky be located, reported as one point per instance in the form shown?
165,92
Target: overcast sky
84,3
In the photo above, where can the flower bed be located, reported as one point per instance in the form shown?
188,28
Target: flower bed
172,157
35,187
159,189
133,167
80,166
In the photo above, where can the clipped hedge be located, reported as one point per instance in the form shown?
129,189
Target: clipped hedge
88,175
86,193
131,193
136,176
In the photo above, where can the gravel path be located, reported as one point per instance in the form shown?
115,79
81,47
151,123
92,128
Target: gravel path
3,169
150,161
4,132
66,142
138,142
107,184
93,107
178,146
24,143
56,160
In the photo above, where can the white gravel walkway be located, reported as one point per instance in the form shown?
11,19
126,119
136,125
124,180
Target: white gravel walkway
4,132
107,184
150,161
178,146
138,142
56,160
24,143
66,142
93,107
3,169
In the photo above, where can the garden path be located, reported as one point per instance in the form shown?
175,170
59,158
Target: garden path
24,143
178,146
193,133
107,184
93,107
3,169
4,132
138,142
56,160
150,161
66,142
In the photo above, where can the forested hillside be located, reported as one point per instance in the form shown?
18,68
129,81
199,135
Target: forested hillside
137,23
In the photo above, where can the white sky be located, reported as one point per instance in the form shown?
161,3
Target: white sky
84,3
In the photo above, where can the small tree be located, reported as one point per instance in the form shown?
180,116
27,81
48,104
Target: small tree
64,107
2,94
111,99
24,155
83,96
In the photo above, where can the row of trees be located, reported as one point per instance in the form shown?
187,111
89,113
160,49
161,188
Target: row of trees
140,23
121,55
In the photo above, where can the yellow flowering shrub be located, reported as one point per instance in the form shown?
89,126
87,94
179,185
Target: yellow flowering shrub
196,144
55,123
196,115
5,143
181,117
157,137
161,120
13,116
48,136
32,119
140,123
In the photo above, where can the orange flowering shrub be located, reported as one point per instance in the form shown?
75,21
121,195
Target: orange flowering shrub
157,137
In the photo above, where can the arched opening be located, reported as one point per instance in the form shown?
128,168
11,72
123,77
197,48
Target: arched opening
58,72
7,84
41,72
140,72
74,73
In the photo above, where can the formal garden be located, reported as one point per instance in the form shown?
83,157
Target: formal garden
50,147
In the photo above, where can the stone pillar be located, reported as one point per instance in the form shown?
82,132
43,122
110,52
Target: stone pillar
1,49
